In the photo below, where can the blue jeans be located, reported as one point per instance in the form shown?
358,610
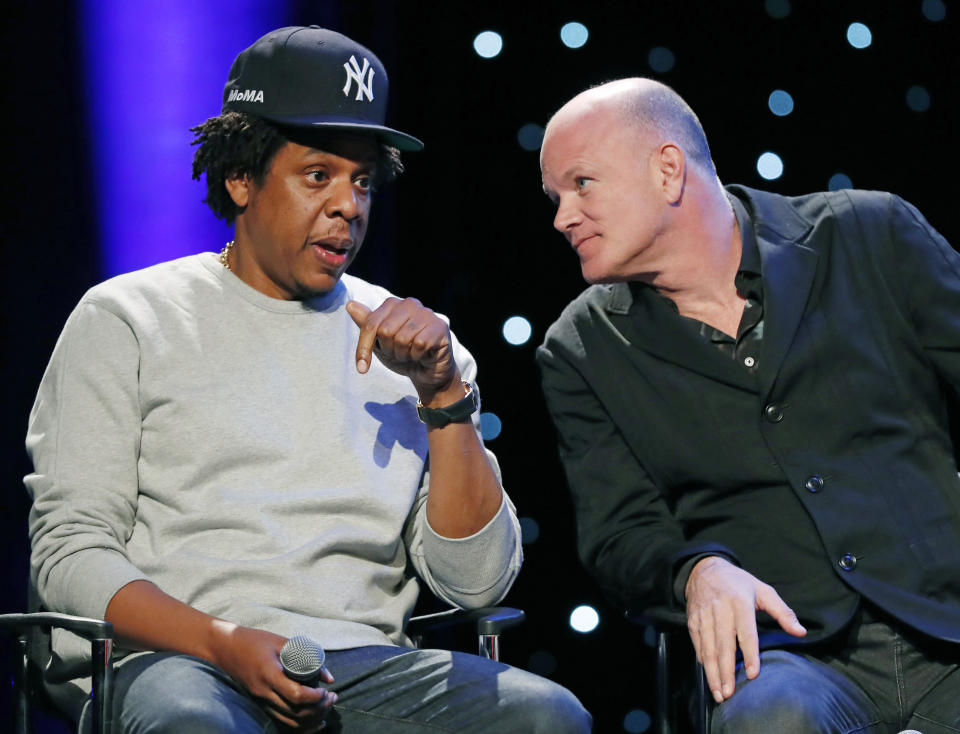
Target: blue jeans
879,678
381,689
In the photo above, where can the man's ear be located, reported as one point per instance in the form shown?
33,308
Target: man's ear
672,171
238,186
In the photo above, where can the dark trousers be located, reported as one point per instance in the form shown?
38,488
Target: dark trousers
878,678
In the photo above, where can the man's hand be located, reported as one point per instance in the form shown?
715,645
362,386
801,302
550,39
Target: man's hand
252,657
409,339
412,340
145,618
722,604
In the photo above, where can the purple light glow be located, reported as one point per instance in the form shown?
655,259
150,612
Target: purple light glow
154,69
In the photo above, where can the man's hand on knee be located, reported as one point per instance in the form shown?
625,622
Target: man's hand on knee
252,657
722,602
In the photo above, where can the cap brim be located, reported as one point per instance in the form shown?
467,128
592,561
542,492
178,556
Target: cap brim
387,134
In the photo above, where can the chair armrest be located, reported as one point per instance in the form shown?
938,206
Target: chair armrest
90,629
30,628
488,620
667,623
660,618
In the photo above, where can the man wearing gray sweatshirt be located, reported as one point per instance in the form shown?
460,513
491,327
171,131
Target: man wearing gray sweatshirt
233,449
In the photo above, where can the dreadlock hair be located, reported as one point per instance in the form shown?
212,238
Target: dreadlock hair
239,144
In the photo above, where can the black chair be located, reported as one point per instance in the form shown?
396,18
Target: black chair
32,634
681,685
489,623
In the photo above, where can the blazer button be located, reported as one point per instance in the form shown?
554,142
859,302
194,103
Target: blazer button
814,484
773,413
848,562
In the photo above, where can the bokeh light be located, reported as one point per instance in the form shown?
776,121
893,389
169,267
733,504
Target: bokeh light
777,9
490,426
839,181
574,35
858,35
488,44
933,10
529,530
584,618
636,721
661,59
517,330
770,166
780,103
918,99
530,136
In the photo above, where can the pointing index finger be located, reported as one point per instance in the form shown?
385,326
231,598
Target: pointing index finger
361,317
358,312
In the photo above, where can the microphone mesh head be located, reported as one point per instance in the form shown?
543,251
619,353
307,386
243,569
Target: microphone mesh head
302,657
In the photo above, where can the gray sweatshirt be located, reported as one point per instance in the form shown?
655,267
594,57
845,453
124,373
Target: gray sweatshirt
192,431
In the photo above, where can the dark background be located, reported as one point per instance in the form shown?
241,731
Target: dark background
467,229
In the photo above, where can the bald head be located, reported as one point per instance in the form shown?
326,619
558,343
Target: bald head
628,168
657,112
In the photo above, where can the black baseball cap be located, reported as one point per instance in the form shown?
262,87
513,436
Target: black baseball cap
312,77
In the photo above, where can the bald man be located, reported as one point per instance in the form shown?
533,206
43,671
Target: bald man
750,404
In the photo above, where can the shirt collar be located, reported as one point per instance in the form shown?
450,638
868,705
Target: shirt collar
750,251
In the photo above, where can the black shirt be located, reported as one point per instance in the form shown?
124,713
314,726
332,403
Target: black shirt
745,349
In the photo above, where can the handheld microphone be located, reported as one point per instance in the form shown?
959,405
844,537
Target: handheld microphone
302,659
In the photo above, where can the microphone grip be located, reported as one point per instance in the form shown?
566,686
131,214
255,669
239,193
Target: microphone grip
302,660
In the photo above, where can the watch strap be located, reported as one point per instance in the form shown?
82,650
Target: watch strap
456,413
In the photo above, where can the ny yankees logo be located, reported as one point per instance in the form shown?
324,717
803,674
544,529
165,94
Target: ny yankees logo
356,74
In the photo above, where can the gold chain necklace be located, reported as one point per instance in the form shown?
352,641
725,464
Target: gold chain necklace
225,254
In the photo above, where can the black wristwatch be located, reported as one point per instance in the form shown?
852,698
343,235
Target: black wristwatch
459,411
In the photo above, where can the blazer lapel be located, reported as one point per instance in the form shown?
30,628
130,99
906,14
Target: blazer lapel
788,272
787,268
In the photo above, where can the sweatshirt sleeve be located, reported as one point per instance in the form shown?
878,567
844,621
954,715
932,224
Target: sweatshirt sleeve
477,570
83,439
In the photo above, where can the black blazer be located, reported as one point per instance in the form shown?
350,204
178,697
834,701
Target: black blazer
830,474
